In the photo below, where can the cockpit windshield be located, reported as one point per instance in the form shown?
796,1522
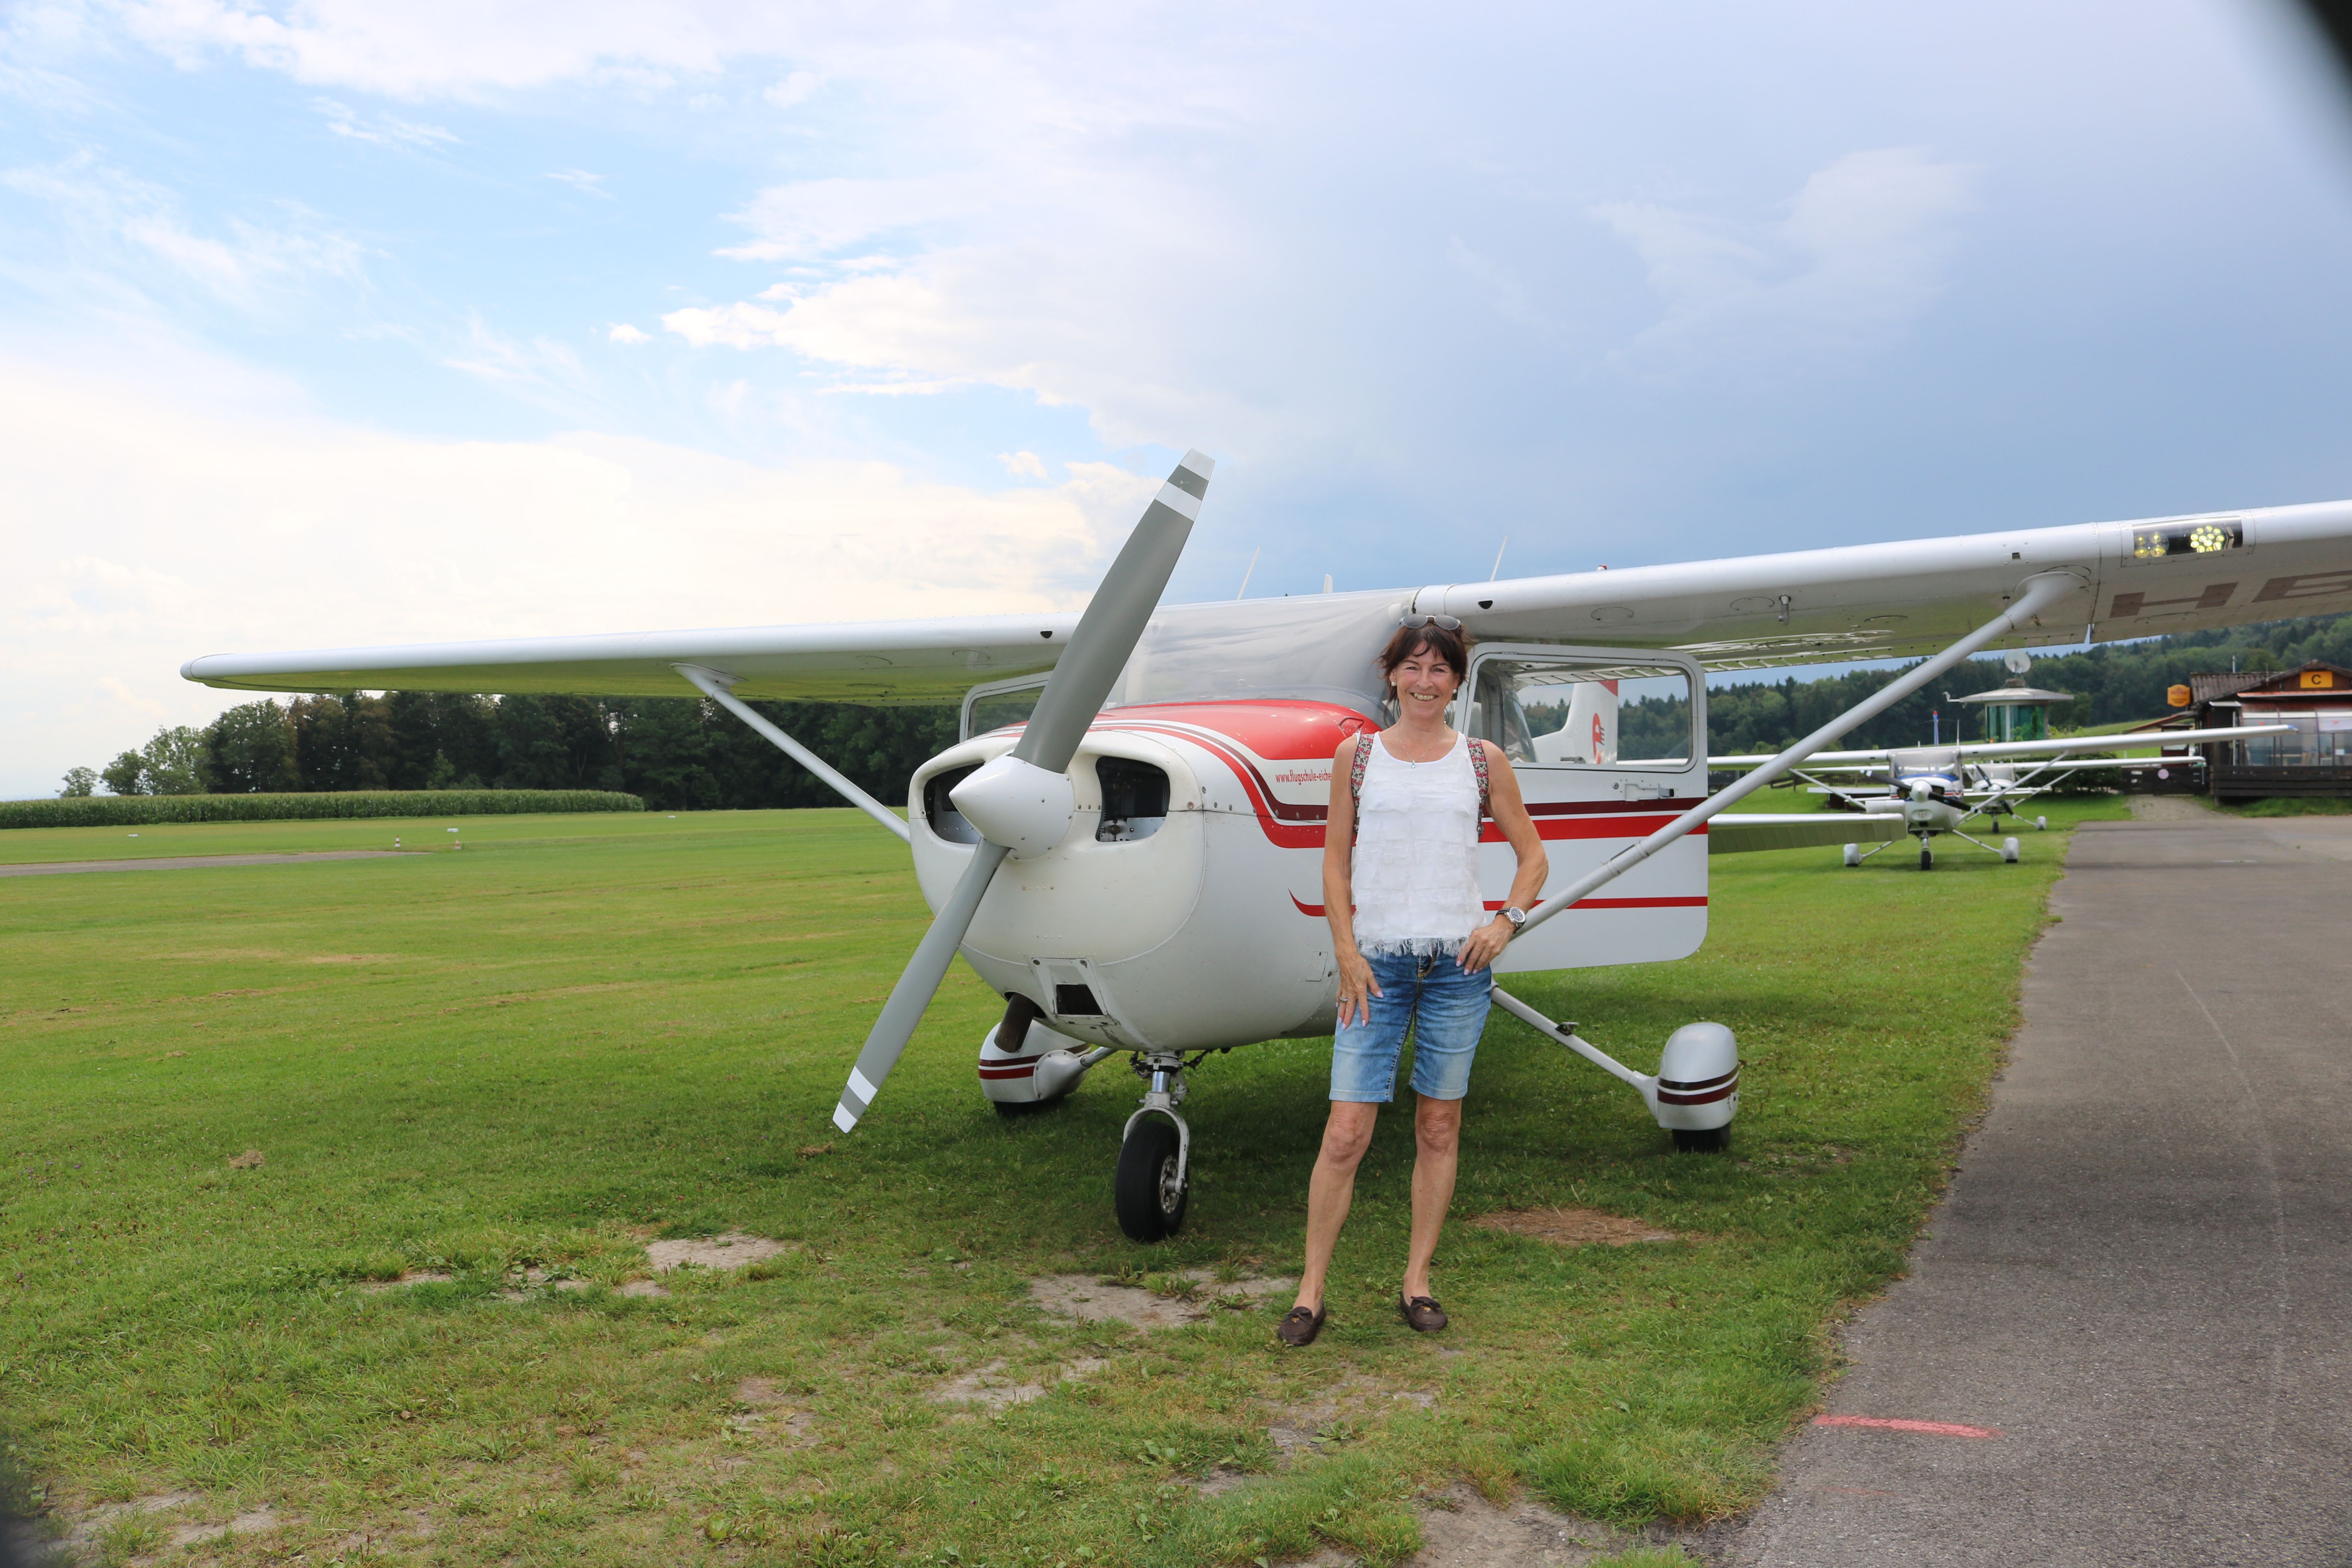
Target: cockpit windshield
1315,649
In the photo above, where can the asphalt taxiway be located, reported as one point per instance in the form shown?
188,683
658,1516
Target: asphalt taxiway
2139,1287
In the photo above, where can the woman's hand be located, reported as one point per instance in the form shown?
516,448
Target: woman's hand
1357,987
1484,944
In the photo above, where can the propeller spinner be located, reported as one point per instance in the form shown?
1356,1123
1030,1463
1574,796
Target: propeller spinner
1022,802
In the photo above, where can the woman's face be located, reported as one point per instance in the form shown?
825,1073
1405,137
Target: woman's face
1424,681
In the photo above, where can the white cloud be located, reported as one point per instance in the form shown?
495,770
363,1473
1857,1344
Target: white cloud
795,89
810,219
1497,282
1861,253
141,533
1023,464
384,130
623,333
247,265
545,371
580,180
459,48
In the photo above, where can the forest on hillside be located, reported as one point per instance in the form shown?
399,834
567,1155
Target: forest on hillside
685,753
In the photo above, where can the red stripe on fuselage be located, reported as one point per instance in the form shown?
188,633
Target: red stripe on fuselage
1300,827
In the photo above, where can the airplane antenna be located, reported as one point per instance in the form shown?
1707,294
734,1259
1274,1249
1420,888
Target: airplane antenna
1327,582
1246,570
1498,559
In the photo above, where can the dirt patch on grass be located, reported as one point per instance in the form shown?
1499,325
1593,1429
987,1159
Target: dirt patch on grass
1465,1530
1576,1227
92,1525
256,1522
522,1283
995,1388
1219,1481
251,1160
642,1287
732,1250
408,1276
764,1408
1161,1302
1343,1412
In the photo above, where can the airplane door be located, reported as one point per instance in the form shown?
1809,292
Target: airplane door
1608,744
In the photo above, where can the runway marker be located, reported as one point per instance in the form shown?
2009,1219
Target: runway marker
1932,1428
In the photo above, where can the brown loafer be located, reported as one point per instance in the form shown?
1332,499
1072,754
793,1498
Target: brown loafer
1299,1327
1421,1313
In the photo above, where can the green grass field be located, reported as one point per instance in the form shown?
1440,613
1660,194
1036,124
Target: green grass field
584,1032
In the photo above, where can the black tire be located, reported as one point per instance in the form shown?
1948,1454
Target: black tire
1927,858
1012,1108
1148,1212
1713,1140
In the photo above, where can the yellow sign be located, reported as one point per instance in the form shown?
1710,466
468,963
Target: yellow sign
2177,696
2318,680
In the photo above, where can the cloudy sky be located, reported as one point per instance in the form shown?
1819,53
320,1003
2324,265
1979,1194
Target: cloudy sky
348,321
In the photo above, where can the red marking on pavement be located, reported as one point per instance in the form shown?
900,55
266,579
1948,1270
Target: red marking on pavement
1932,1428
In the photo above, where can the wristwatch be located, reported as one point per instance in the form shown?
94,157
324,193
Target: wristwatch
1517,917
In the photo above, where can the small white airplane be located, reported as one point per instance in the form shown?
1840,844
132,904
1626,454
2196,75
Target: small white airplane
1924,791
1127,842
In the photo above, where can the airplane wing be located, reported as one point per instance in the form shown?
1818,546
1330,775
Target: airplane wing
1736,832
853,661
1856,602
2001,750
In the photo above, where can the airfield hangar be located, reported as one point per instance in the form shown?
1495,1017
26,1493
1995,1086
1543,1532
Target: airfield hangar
2312,757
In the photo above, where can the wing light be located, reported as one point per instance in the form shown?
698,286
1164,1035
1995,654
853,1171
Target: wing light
2198,539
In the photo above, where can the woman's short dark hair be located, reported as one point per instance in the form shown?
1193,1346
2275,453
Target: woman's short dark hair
1430,638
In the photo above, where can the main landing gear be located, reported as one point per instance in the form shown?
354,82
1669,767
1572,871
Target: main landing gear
1855,854
1696,1091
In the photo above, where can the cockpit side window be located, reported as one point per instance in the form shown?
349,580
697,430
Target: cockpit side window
1579,714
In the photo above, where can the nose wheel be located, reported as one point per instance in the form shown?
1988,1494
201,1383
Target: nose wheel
1151,1188
1154,1183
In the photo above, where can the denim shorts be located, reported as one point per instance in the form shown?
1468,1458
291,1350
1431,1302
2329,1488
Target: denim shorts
1446,1009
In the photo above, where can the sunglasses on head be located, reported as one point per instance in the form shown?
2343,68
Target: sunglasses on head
1442,623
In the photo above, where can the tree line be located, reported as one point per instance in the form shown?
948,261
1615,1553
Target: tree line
2110,685
686,753
676,753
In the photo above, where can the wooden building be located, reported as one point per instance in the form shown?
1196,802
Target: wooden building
2312,757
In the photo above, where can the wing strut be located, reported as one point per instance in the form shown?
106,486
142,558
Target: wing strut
716,687
2042,590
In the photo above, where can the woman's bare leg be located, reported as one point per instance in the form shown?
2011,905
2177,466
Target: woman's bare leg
1330,1189
1437,1136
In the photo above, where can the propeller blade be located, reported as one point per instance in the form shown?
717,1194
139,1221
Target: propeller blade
1105,637
916,986
1114,620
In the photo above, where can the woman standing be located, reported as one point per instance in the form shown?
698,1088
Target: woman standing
1401,890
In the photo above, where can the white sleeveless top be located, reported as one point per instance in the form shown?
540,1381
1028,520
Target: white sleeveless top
1415,871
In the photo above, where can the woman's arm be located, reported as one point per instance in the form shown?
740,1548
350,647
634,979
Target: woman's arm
1511,812
1357,986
